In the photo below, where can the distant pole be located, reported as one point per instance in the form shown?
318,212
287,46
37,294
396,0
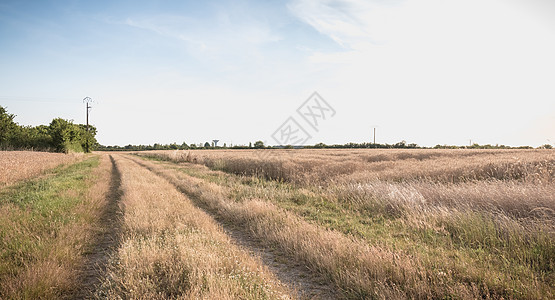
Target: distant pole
87,101
374,135
88,108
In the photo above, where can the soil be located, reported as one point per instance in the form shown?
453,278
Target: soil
105,242
296,276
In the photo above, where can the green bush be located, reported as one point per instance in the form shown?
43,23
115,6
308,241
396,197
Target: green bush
60,135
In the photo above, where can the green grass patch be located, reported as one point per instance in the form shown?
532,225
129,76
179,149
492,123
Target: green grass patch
33,212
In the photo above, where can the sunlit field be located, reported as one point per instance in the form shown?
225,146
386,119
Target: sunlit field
392,223
280,224
18,165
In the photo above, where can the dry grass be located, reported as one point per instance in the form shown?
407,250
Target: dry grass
325,166
361,270
20,165
171,249
46,225
441,223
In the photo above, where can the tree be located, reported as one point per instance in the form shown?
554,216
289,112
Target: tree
259,144
59,130
60,135
320,145
401,144
67,136
207,145
88,140
29,137
8,127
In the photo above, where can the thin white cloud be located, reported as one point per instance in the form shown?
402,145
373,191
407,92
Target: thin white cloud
491,60
167,26
332,18
359,24
215,36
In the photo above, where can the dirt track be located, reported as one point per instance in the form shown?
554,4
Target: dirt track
106,240
296,276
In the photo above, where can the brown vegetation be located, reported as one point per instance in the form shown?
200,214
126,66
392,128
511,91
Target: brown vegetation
325,166
405,223
372,223
20,165
171,249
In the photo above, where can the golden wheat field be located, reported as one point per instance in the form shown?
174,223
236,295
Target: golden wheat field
282,224
18,165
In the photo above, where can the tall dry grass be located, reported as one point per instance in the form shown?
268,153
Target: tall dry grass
170,249
362,270
520,183
325,166
470,223
20,165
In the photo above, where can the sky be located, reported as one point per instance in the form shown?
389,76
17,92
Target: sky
424,71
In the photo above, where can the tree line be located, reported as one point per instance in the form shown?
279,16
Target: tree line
60,135
260,145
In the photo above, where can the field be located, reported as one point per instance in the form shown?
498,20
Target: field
19,165
281,224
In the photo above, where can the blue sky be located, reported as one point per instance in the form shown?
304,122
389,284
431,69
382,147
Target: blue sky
429,71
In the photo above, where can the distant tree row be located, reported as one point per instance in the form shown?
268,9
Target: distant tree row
255,145
156,146
487,146
60,135
260,145
404,145
399,145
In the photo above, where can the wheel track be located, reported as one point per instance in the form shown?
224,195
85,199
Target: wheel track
295,275
106,241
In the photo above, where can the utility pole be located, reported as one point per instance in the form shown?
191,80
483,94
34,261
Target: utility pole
374,135
87,101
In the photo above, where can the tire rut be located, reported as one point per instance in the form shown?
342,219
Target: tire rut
295,275
106,240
